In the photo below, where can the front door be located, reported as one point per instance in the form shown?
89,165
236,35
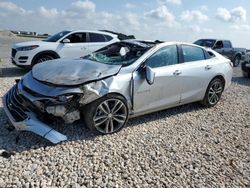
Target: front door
76,48
165,91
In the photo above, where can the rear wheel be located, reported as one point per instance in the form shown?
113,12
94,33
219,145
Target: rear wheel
106,115
236,61
213,93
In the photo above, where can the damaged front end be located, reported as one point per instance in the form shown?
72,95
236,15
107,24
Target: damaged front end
27,115
34,106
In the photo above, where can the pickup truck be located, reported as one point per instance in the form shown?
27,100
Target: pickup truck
245,66
225,48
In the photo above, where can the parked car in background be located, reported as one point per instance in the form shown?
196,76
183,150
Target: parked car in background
225,48
245,66
125,79
65,44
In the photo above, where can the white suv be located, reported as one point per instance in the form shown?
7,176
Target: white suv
70,44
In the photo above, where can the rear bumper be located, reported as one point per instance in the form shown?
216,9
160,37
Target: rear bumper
32,124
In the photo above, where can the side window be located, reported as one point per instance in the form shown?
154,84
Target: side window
163,57
219,44
227,44
94,37
77,38
192,53
108,38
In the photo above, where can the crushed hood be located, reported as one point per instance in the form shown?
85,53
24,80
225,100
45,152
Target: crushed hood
72,72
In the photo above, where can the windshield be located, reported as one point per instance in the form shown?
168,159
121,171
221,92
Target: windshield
207,43
120,53
57,36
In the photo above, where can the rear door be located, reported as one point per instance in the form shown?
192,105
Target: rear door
165,91
97,41
196,71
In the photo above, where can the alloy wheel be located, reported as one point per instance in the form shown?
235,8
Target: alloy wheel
110,116
215,92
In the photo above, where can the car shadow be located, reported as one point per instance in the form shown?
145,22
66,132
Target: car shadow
241,80
13,141
12,72
196,106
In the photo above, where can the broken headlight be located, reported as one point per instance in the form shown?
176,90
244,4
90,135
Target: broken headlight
65,98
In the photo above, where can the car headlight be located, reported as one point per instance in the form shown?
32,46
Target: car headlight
27,48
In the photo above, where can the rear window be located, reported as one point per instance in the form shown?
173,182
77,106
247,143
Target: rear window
192,53
108,38
211,54
227,44
94,37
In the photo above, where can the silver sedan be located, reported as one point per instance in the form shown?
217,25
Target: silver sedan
122,80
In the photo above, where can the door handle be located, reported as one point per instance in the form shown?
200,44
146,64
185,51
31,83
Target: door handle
177,72
208,67
83,48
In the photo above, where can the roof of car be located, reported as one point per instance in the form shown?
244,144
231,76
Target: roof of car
93,31
215,39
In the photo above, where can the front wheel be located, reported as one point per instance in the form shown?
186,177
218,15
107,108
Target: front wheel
106,115
42,58
213,93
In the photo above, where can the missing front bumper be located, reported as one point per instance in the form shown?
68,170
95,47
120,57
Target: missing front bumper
34,125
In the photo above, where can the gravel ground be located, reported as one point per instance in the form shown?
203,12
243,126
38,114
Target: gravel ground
187,146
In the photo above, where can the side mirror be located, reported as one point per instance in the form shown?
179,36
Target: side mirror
150,75
66,41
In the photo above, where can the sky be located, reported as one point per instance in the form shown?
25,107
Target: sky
168,20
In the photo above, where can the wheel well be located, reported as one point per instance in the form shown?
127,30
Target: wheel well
221,78
119,94
52,53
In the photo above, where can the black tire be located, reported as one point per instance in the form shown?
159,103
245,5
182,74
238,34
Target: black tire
43,57
207,101
90,111
246,74
236,61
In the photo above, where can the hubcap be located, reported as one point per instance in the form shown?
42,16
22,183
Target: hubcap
110,116
215,92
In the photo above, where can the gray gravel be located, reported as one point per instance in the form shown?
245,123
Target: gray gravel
187,146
